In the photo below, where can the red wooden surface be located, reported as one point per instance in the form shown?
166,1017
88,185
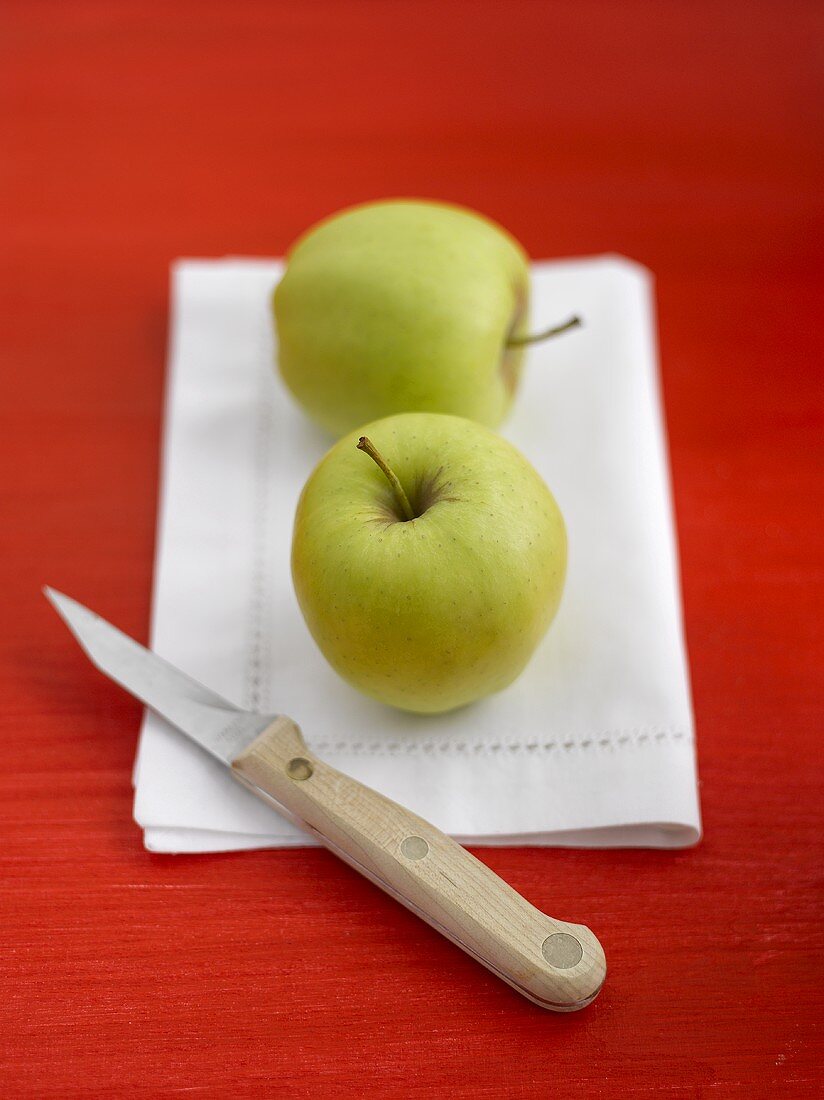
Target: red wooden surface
685,135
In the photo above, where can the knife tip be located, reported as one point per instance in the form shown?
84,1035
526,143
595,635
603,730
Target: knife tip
59,601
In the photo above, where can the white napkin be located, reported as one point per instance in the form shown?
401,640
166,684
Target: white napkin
593,745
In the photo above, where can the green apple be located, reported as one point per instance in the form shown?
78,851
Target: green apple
403,306
429,567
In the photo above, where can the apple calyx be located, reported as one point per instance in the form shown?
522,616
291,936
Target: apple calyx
546,334
366,445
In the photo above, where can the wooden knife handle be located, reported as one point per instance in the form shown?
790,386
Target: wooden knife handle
558,966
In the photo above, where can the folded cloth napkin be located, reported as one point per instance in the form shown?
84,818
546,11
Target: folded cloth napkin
592,746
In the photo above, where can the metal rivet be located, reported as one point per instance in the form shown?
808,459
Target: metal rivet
298,768
414,847
562,951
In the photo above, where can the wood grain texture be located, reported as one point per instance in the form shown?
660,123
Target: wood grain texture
558,966
684,135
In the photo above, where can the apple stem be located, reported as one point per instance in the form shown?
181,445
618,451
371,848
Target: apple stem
537,337
366,444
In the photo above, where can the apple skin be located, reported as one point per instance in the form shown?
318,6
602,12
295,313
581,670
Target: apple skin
402,306
433,613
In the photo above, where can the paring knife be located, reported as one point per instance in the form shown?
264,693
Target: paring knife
556,965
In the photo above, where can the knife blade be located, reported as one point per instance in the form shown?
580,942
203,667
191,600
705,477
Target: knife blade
555,964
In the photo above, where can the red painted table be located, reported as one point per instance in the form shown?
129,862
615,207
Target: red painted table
684,135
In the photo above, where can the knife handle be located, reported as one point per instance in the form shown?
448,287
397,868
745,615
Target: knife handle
556,965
